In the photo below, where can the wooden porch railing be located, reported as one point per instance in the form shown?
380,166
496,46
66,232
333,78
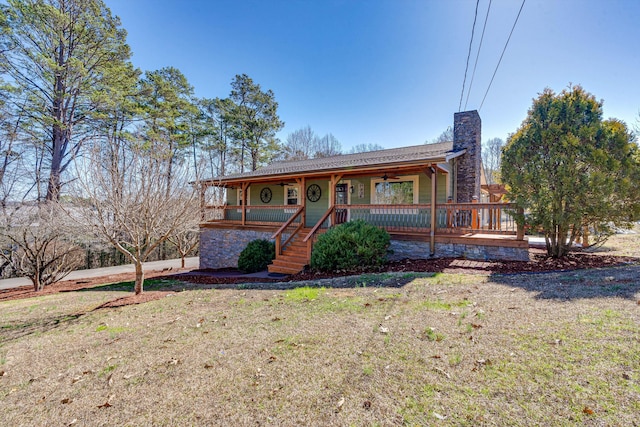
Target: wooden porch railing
390,217
297,221
276,214
451,218
212,213
488,218
324,222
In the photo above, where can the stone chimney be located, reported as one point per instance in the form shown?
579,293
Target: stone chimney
466,135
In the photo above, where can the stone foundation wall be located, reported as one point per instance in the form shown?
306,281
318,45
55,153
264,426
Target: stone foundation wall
220,248
417,249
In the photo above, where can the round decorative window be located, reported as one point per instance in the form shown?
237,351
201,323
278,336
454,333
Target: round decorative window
314,192
265,195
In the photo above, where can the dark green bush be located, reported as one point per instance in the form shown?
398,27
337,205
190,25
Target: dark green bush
256,256
350,245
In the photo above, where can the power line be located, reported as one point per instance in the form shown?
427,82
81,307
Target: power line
503,50
475,16
484,27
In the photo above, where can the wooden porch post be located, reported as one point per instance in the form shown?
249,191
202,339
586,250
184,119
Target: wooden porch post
278,245
491,218
332,195
520,231
245,187
303,199
434,211
202,201
474,214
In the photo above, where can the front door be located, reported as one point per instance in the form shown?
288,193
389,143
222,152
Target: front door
342,198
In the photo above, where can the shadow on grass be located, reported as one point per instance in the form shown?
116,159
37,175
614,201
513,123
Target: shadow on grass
611,282
189,282
14,330
164,284
373,280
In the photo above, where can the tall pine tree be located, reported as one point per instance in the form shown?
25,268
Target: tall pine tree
59,52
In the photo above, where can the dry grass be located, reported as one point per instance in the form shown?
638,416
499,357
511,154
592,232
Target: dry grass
536,349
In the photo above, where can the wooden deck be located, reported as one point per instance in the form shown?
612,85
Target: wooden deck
481,224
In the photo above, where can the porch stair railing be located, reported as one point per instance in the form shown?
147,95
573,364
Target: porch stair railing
293,257
295,253
290,254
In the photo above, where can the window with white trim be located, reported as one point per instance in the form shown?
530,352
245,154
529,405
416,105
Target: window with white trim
239,196
400,191
291,194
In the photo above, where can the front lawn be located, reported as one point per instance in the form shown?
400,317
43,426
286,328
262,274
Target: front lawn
390,349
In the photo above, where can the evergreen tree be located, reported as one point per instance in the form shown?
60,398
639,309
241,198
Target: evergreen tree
168,110
256,121
570,169
59,52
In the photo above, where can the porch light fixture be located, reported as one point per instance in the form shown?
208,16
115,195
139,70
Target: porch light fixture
351,189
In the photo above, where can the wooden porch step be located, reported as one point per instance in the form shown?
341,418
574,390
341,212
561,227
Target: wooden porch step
297,243
288,264
283,270
294,257
298,258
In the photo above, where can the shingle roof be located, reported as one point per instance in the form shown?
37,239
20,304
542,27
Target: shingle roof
389,157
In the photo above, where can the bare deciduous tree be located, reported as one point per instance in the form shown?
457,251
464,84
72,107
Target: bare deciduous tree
491,153
445,136
300,144
327,146
37,243
185,240
364,148
127,201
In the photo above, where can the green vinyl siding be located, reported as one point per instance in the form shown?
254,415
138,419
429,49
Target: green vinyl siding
315,210
355,196
424,194
277,197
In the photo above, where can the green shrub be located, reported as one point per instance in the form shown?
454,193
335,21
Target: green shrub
256,256
350,245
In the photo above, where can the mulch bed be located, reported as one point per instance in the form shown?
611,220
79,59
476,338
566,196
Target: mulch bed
538,263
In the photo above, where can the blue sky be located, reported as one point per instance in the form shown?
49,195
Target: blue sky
390,72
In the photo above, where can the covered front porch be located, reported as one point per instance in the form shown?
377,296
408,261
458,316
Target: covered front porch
426,196
300,217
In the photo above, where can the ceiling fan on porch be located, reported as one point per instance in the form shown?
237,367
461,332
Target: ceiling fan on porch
387,177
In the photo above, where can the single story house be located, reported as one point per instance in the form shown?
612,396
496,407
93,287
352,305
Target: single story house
426,196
